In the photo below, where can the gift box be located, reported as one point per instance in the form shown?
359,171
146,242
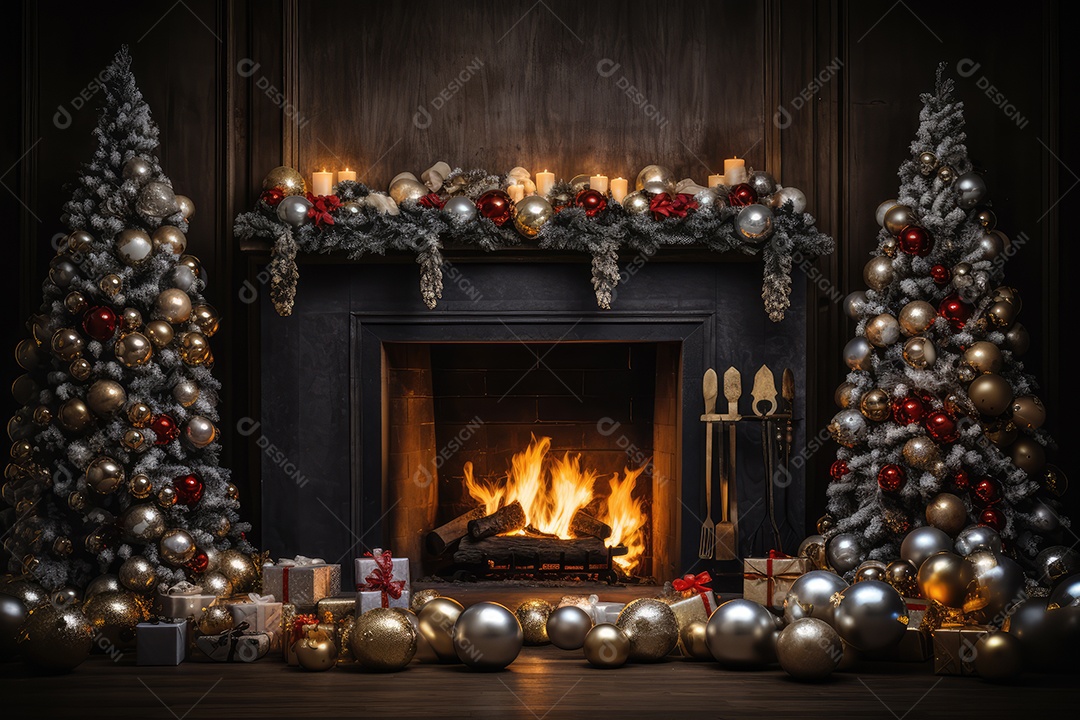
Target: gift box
767,580
182,601
261,613
340,613
692,600
954,648
236,645
381,581
301,581
161,643
916,611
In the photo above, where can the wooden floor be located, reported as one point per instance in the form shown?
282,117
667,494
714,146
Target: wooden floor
542,683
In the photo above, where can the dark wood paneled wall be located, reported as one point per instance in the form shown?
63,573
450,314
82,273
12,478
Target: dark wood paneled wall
352,75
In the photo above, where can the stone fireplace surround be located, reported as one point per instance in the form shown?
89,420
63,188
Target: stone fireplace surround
323,370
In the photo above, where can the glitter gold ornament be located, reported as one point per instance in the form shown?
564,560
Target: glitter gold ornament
947,513
533,616
285,179
113,617
215,583
417,601
239,569
382,640
651,627
215,620
138,575
921,452
55,639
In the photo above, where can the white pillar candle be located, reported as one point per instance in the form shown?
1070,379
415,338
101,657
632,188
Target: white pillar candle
346,174
715,180
544,182
322,182
598,183
618,189
734,171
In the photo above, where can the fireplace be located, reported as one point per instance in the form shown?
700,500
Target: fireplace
372,404
572,443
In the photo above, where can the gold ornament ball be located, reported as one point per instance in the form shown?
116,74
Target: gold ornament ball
135,440
531,214
55,638
233,493
879,272
105,397
171,238
1008,294
418,600
693,642
946,174
113,617
186,206
138,575
142,521
947,513
192,263
131,319
104,475
25,389
890,246
77,501
42,415
111,285
917,317
166,496
1000,432
652,628
1028,412
199,432
66,344
999,656
383,640
882,330
809,649
133,349
983,357
436,620
487,636
79,369
947,578
991,394
285,179
904,577
607,646
316,652
160,333
845,394
921,453
134,247
533,616
1017,339
239,569
176,547
207,318
42,328
655,174
21,451
1028,455
899,217
173,305
79,242
986,218
216,584
186,393
28,355
215,620
75,303
140,415
920,353
875,405
30,594
870,570
194,348
1002,314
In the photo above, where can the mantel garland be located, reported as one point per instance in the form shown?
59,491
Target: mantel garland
351,223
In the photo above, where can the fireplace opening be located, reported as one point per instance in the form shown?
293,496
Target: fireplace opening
512,460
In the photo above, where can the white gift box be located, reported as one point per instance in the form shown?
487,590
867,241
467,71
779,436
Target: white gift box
374,577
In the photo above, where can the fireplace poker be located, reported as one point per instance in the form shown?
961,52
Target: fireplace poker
764,394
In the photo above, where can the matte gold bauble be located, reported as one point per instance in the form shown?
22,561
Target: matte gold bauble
991,394
105,397
436,621
382,640
173,305
206,317
921,453
947,513
983,356
194,348
134,247
186,393
140,486
1028,412
113,616
533,616
131,319
215,620
917,317
133,349
104,475
176,547
882,330
171,238
80,369
1028,455
138,575
607,646
135,440
111,285
66,344
692,641
875,405
159,332
316,652
919,353
140,415
239,569
285,179
55,639
73,415
75,303
879,272
899,217
845,394
1001,315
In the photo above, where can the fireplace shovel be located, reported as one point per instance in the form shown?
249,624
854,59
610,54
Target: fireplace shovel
708,527
726,542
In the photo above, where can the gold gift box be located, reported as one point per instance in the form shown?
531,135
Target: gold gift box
954,648
338,612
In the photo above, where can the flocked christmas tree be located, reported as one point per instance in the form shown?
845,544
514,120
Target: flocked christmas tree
115,462
939,423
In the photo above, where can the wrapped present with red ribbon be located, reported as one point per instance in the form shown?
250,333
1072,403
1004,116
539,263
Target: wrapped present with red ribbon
382,581
767,580
698,600
302,581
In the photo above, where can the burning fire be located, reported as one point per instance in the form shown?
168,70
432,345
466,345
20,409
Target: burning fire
551,492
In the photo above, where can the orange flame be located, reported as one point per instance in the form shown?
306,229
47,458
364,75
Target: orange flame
551,498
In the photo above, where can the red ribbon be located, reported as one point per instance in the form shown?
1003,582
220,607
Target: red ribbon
285,584
695,583
382,578
663,205
773,555
777,555
432,200
298,624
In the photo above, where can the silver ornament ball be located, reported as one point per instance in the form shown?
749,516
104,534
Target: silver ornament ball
922,542
786,195
567,627
742,633
871,616
811,596
844,552
157,200
460,209
293,210
487,636
809,649
754,223
971,190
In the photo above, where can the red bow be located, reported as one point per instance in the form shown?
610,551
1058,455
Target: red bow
663,206
777,555
382,577
298,624
432,200
696,583
321,207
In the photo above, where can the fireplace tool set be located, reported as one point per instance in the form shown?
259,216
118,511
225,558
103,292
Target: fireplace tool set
720,540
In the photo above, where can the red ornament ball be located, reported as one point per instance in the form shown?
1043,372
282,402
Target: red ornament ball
915,240
909,410
941,428
189,489
165,428
592,201
742,195
987,491
992,517
955,310
496,206
100,323
838,469
891,478
940,274
199,563
962,480
272,197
